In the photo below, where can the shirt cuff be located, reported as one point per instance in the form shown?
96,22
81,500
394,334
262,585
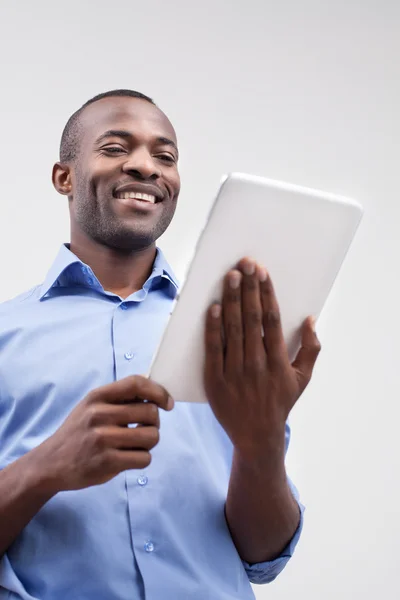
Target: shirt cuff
265,572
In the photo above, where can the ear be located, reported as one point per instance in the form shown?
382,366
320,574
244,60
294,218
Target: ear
61,178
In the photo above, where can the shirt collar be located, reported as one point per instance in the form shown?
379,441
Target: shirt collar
162,268
65,259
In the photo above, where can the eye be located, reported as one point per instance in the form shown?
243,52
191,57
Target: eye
167,158
113,149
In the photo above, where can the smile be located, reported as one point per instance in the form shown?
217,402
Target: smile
136,196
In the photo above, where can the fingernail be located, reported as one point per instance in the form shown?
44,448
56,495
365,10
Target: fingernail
262,274
313,322
234,280
170,403
216,311
249,268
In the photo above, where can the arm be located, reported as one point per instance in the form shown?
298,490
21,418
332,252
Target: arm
23,492
252,387
261,512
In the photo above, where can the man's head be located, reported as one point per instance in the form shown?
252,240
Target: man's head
117,145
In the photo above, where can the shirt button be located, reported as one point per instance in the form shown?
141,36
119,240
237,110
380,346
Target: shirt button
129,355
142,480
149,547
123,306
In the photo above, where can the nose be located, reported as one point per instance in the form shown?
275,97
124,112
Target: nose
141,164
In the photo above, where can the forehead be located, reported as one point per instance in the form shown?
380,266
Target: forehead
138,116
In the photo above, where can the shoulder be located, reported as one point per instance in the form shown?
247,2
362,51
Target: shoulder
8,307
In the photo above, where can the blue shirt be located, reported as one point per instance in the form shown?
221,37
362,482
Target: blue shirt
157,534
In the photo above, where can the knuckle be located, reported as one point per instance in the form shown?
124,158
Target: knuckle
105,460
233,296
273,318
152,410
98,439
135,381
254,318
154,435
148,436
93,396
127,414
92,415
255,366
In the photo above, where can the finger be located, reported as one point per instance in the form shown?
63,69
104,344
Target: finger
125,460
130,388
271,320
142,438
143,413
146,413
307,355
232,321
214,361
254,350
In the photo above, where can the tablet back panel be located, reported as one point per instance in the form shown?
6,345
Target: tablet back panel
300,235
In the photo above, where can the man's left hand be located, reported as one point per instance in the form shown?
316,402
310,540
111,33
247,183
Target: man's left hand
250,382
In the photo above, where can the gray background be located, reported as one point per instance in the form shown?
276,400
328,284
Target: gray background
306,92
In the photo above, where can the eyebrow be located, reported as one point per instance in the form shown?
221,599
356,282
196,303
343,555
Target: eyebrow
126,135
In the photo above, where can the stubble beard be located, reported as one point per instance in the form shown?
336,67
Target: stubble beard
101,224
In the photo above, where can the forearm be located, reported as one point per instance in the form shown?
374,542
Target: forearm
23,492
261,512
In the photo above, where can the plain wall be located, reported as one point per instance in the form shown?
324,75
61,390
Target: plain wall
305,92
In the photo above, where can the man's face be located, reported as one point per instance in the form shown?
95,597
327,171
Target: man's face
127,147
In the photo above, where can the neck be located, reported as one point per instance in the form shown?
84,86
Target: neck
122,274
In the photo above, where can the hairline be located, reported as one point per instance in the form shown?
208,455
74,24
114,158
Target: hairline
73,126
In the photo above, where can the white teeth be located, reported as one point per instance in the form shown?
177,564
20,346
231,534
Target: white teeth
137,196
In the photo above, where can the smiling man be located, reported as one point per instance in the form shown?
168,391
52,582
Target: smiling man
95,504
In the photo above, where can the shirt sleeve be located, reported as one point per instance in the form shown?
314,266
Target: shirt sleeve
266,572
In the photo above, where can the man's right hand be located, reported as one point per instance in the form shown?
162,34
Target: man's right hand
94,443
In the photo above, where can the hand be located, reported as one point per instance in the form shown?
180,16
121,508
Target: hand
249,381
95,443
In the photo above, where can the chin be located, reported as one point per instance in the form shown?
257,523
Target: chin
128,240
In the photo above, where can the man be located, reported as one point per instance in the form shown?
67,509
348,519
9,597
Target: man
95,504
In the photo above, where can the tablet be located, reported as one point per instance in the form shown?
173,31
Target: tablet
300,235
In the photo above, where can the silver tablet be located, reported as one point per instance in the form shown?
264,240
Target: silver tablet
300,235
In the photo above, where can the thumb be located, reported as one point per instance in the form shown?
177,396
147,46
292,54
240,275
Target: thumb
307,355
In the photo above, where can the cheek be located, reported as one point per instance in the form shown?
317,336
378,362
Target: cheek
99,176
97,173
81,179
174,183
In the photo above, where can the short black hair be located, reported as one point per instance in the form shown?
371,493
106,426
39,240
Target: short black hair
69,144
